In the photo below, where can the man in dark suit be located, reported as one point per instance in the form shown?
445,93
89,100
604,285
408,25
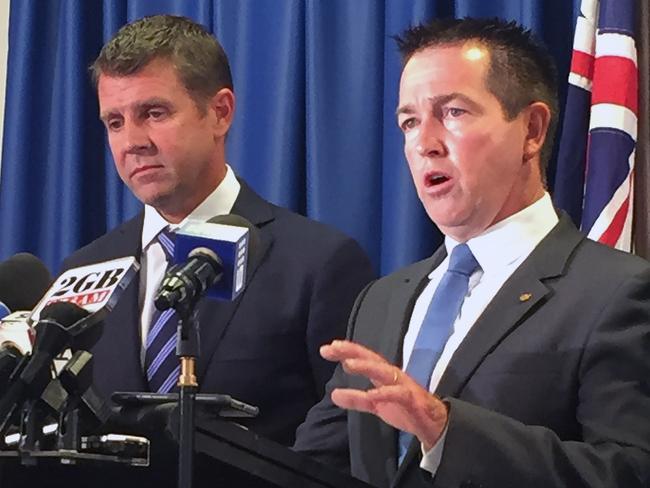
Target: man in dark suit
522,359
166,99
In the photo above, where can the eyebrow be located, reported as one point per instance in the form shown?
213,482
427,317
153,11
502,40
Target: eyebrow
439,100
138,106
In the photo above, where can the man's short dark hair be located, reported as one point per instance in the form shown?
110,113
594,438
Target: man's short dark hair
521,69
198,58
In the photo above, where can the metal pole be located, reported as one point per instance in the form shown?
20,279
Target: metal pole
187,349
188,386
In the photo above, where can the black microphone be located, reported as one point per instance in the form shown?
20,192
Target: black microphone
187,282
23,281
209,260
33,374
52,338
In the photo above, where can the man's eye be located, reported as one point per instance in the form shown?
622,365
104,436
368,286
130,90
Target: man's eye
454,112
408,124
156,114
114,124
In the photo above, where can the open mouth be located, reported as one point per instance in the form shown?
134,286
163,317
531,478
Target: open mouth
435,179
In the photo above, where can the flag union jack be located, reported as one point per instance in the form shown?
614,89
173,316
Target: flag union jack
595,171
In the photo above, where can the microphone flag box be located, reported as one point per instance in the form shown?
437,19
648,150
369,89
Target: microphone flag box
228,242
95,287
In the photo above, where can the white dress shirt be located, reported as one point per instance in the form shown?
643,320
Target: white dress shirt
153,262
499,251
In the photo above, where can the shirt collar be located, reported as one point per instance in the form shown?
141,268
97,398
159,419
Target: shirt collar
219,202
506,241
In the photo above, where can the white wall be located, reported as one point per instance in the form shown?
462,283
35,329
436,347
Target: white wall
4,48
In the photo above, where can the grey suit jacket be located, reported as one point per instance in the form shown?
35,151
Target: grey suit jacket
550,388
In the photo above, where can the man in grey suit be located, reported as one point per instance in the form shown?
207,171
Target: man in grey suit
519,353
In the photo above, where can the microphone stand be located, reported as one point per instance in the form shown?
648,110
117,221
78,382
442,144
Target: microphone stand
187,349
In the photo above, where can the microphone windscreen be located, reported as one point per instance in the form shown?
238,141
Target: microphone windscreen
52,334
239,221
24,279
63,313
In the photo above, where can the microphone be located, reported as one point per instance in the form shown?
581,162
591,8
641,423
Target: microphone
53,335
210,257
23,281
68,315
95,287
32,375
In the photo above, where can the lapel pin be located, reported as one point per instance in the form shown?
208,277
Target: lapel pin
524,297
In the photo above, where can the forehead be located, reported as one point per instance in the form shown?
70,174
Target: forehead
158,78
456,68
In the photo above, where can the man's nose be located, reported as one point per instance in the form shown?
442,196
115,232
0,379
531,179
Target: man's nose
137,140
430,139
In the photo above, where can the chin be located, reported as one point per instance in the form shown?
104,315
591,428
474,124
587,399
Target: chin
446,219
458,229
156,200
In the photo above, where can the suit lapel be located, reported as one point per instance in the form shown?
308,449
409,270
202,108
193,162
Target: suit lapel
519,297
215,315
402,301
504,313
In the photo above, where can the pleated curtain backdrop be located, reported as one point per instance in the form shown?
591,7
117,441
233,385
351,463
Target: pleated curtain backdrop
316,84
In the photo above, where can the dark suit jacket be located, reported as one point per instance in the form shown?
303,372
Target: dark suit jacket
550,388
263,348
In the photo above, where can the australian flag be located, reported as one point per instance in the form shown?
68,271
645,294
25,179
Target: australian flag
595,169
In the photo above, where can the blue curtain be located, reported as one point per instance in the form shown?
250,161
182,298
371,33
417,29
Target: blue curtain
316,84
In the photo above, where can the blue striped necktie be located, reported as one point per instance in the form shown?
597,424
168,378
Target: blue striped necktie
438,323
161,364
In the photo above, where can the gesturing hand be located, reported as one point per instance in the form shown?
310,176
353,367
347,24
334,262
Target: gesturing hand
396,398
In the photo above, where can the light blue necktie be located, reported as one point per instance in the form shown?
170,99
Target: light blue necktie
160,362
438,323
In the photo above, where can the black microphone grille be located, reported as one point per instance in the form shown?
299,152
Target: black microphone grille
63,313
239,221
24,279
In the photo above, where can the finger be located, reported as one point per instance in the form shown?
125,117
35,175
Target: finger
380,373
397,394
412,409
340,350
418,402
351,399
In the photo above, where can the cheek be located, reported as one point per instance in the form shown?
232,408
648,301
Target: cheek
473,145
473,154
115,144
490,164
411,136
412,150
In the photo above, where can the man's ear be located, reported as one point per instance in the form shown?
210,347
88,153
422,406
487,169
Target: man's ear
222,106
538,116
